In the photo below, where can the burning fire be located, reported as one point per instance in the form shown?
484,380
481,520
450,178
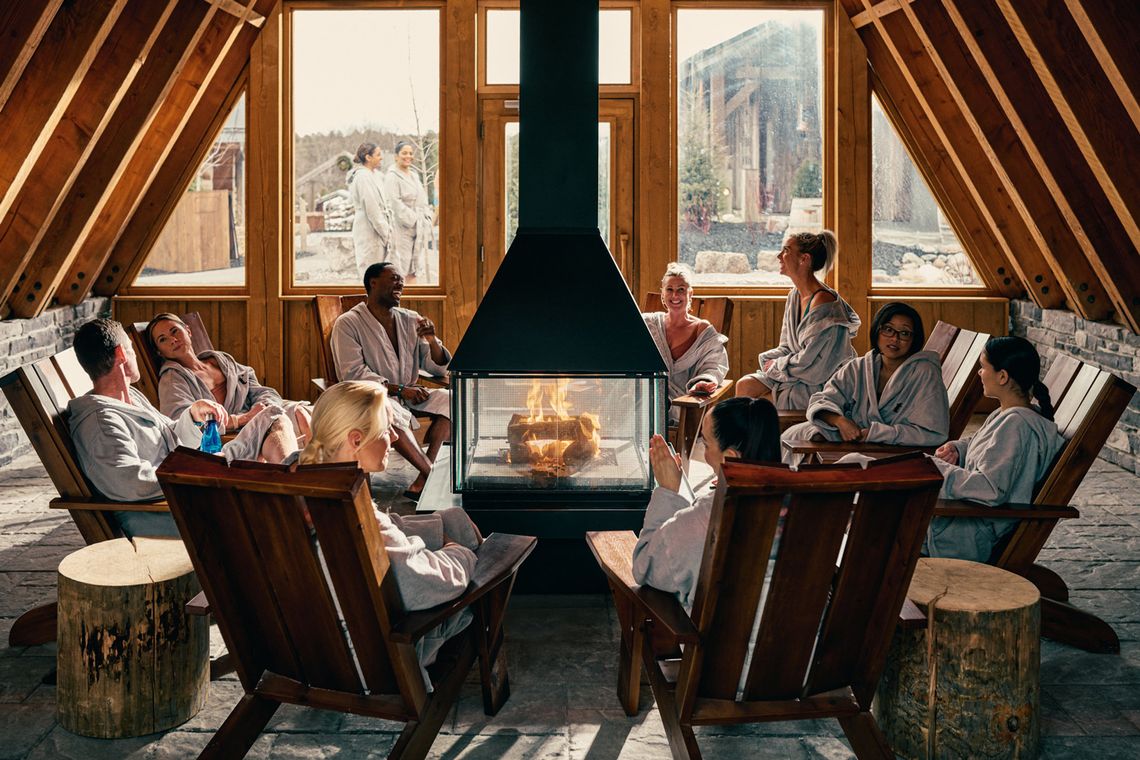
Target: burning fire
558,402
554,442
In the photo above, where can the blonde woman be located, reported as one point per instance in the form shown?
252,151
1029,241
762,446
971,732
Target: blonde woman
815,338
432,555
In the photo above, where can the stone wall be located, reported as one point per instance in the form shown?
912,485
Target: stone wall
23,341
1108,346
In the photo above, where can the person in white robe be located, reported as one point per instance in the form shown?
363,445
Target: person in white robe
120,438
1004,460
413,215
815,337
893,394
372,240
693,351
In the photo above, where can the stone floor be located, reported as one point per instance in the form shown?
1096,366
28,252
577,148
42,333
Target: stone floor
562,653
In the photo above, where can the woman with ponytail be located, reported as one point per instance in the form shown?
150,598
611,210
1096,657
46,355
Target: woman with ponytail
815,338
1003,461
433,555
672,540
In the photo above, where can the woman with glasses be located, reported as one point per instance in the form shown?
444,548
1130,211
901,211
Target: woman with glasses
893,394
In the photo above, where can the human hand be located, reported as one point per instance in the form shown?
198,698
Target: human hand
767,365
848,430
239,420
425,328
703,388
666,464
414,394
947,452
203,409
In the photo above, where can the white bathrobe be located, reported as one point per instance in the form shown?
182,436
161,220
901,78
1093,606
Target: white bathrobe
812,348
705,360
178,387
372,240
913,410
362,351
413,217
999,464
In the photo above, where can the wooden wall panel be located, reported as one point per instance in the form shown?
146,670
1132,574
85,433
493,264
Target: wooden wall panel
755,327
226,321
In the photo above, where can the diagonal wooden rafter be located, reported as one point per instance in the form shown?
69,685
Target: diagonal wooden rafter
23,25
1111,31
877,11
95,250
1102,238
1093,114
1049,218
47,86
82,124
929,91
44,247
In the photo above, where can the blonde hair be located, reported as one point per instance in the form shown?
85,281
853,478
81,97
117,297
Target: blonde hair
351,405
820,246
677,269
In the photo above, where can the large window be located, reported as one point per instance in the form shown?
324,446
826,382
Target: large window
749,139
614,51
203,241
912,245
365,78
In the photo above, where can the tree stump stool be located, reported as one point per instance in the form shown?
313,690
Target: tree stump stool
968,685
130,660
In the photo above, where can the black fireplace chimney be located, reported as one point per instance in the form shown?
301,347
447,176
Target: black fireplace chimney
558,302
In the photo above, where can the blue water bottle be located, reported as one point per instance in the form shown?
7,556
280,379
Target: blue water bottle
211,439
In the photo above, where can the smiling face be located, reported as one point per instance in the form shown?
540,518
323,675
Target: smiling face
171,339
676,295
790,258
387,288
405,157
896,338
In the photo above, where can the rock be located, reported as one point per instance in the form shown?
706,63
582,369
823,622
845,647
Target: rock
912,259
722,262
337,250
767,261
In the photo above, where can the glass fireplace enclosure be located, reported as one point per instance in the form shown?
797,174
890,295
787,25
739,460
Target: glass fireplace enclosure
543,436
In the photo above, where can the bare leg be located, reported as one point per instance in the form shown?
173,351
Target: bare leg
280,441
302,424
751,387
410,450
438,432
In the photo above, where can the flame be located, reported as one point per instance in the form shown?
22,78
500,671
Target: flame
556,392
534,401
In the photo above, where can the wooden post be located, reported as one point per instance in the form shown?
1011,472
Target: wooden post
968,685
131,661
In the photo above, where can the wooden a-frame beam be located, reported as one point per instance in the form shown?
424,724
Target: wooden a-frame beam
1051,221
49,82
94,251
1085,98
110,78
1111,31
1103,241
23,25
877,11
50,244
929,91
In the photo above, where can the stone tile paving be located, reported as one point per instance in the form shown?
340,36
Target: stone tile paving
562,657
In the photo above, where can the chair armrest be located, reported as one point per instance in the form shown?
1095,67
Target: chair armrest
789,417
99,505
699,402
845,447
614,552
958,508
320,385
438,381
499,557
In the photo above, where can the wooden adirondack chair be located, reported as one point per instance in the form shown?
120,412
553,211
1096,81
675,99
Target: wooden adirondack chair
38,394
150,362
325,311
717,311
279,602
960,352
826,626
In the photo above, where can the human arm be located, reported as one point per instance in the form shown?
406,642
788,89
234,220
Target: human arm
111,460
405,215
437,357
924,416
990,479
815,363
671,541
711,369
829,408
425,577
348,353
666,464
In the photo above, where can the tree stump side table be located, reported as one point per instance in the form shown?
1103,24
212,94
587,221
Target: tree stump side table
983,697
130,660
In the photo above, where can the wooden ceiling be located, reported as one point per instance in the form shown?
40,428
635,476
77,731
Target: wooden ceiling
1022,115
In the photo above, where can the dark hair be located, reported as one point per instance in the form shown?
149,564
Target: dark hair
364,151
374,270
898,309
749,425
95,344
164,316
1020,360
820,246
400,145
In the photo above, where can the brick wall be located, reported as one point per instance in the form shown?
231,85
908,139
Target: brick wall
1108,346
23,341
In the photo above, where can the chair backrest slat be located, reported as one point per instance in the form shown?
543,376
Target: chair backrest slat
956,355
940,340
1061,373
964,391
1065,408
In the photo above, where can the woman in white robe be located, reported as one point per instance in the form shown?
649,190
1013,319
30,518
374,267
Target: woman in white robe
693,351
412,232
893,394
815,338
372,240
1004,460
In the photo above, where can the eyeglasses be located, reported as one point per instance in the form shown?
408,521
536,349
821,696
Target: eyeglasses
891,332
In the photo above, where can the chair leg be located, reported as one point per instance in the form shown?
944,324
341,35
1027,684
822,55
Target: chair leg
417,737
1047,582
866,739
629,659
682,740
240,730
36,626
490,639
1063,622
222,665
